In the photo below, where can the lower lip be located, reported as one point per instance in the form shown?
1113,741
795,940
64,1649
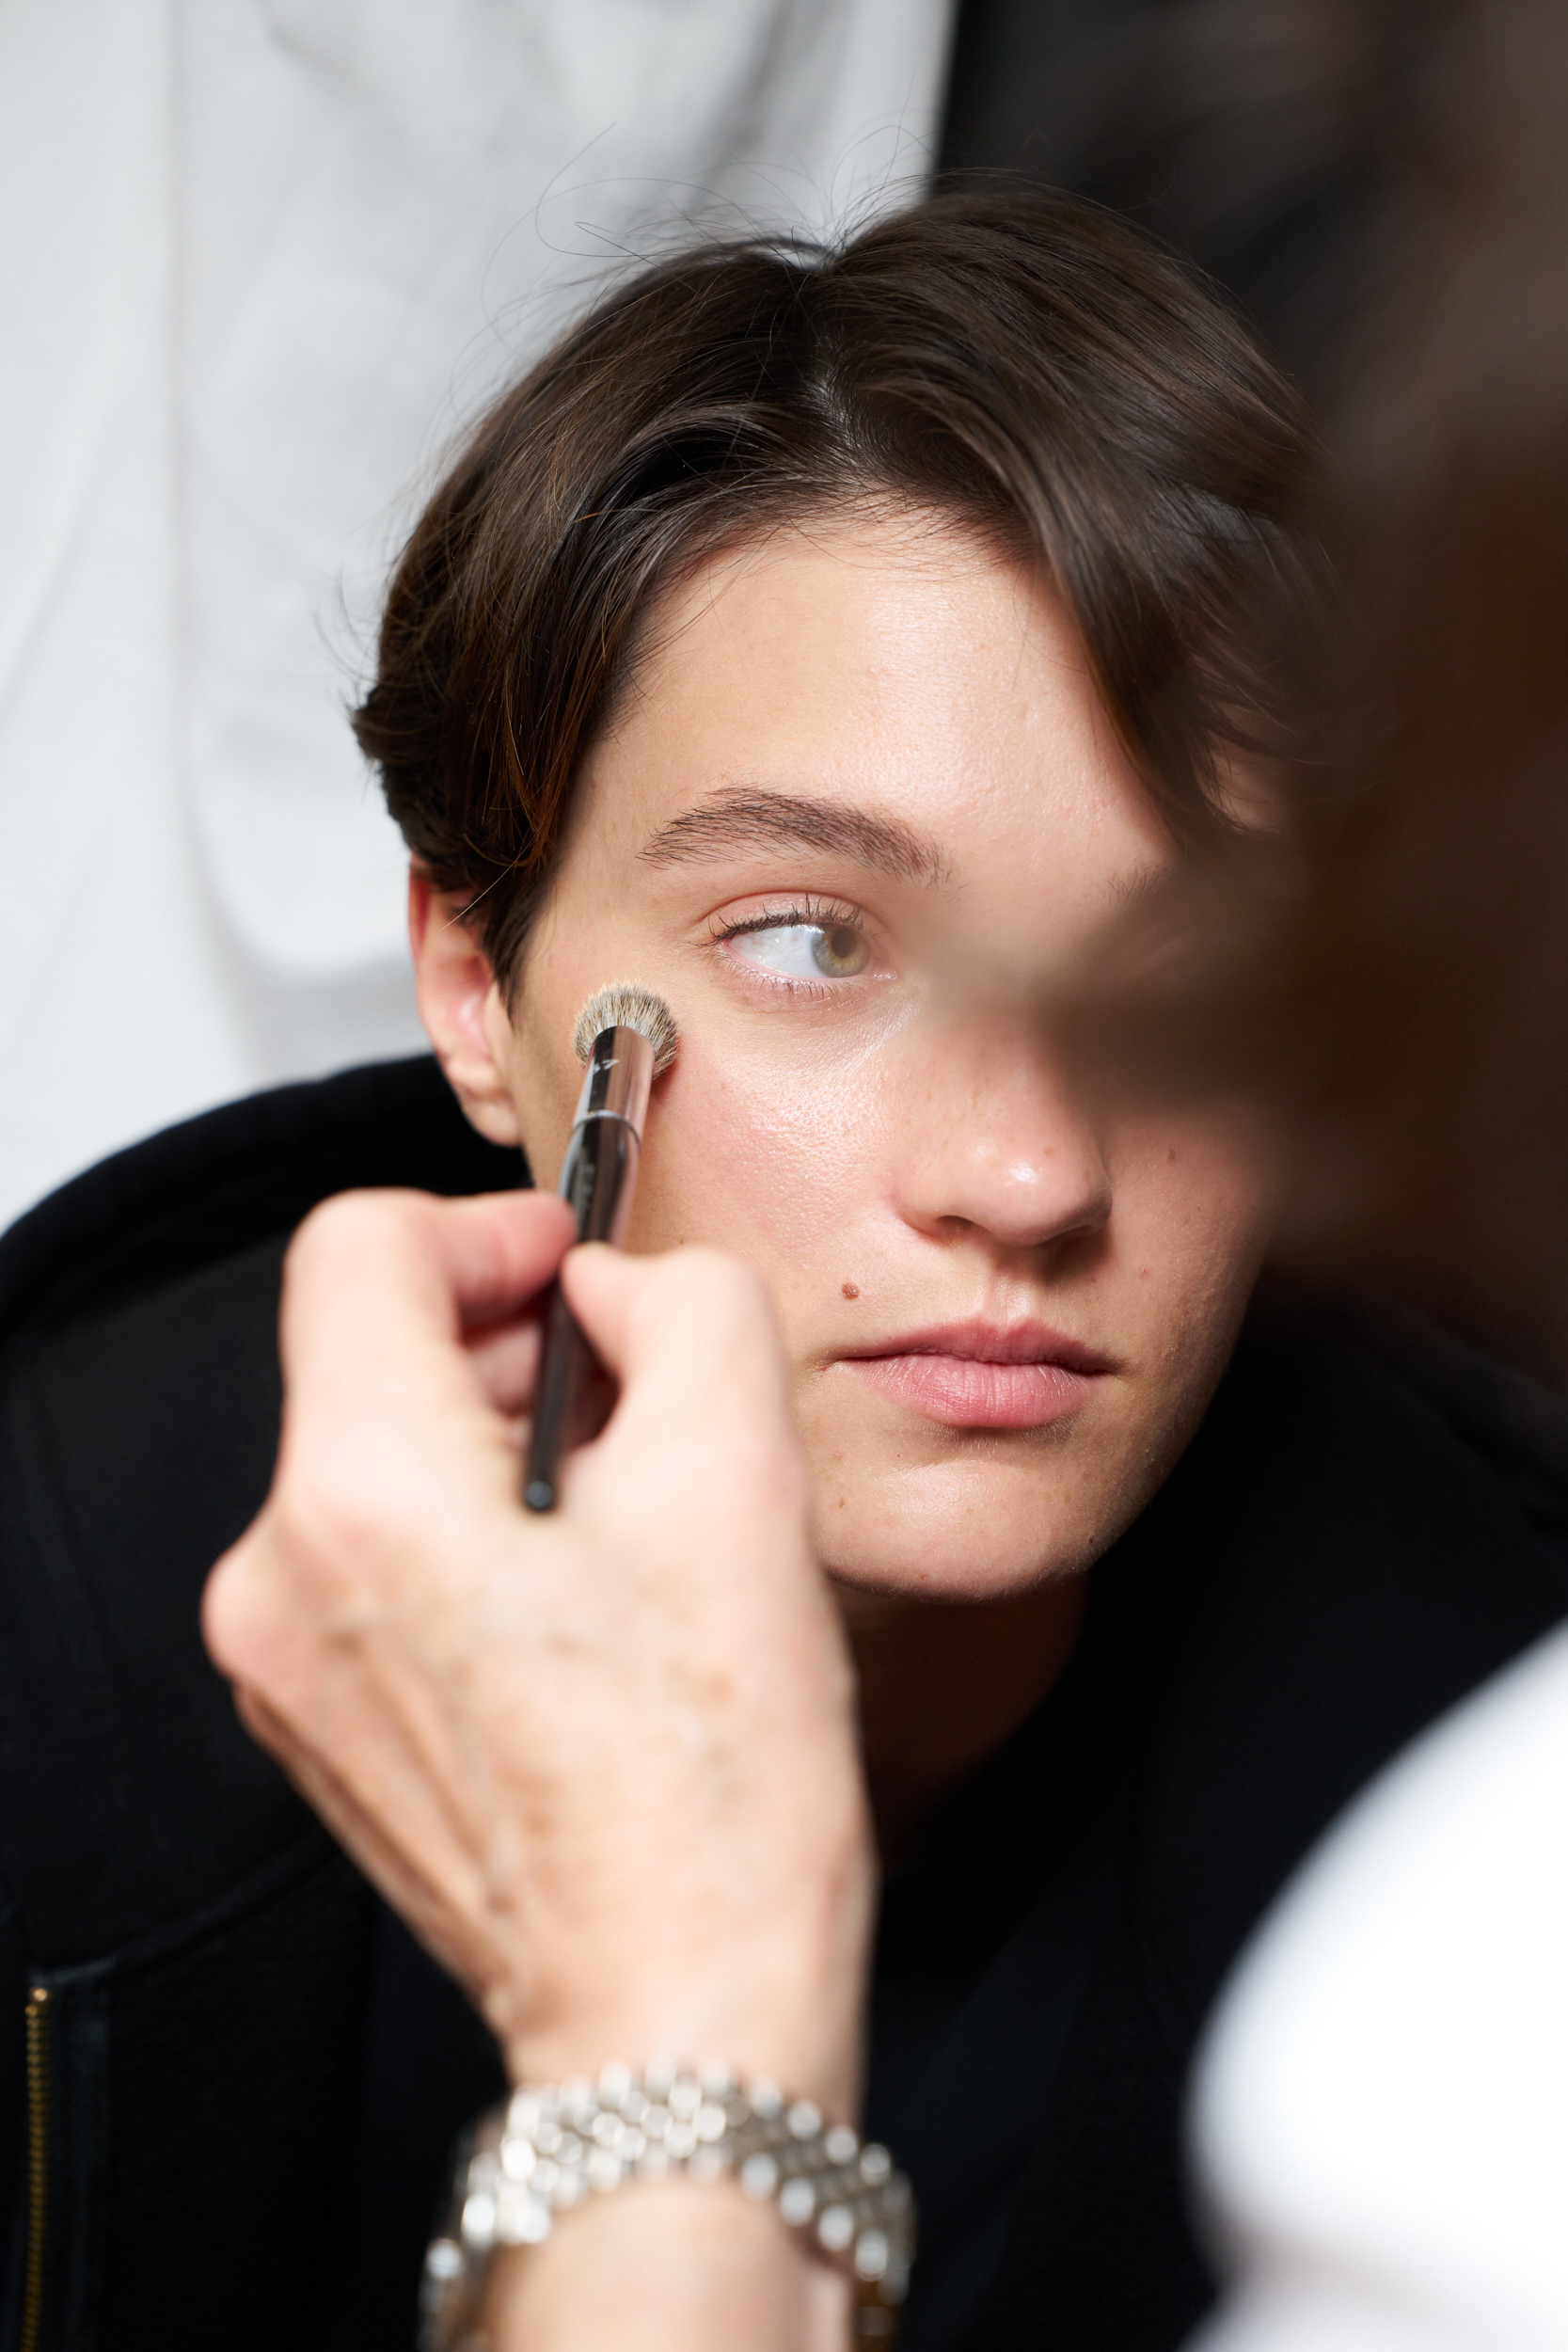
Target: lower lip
969,1394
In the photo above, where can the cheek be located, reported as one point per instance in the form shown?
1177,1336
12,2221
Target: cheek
544,1089
769,1164
1196,1200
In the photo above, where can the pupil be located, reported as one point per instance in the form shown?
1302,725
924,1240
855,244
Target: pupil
842,945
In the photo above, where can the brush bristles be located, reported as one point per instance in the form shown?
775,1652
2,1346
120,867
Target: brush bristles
629,1006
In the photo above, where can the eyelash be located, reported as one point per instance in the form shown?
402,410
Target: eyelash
824,912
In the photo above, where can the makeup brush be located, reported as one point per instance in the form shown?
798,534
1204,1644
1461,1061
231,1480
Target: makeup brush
626,1036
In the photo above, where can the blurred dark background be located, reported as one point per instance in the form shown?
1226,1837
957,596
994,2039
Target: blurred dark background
1253,133
1384,188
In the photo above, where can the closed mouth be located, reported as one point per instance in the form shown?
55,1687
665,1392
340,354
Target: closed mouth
983,1375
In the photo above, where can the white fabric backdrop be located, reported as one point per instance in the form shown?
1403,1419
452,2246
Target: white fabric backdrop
261,259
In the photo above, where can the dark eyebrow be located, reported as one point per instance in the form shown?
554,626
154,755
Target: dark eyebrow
738,818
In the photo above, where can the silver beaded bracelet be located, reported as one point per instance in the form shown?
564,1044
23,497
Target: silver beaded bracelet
553,2145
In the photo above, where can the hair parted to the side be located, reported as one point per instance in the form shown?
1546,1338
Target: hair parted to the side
1028,365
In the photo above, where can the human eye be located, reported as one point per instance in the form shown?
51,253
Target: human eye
802,947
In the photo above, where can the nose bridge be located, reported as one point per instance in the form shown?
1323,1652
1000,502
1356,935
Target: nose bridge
1001,1140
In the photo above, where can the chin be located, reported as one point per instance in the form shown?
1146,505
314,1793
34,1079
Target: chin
955,1533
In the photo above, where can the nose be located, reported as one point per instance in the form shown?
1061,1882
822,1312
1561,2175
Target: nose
996,1145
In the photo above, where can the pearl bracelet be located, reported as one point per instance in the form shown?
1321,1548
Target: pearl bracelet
553,2145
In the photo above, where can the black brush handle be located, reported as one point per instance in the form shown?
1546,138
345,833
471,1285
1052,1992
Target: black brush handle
597,1183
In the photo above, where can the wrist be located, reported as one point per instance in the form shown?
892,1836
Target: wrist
801,2030
783,1998
672,2265
553,2150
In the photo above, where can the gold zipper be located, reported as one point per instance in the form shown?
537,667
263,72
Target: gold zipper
38,1997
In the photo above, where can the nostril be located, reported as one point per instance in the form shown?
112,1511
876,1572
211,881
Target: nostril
1022,1201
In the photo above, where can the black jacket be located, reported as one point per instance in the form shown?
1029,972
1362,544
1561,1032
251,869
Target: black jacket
244,2077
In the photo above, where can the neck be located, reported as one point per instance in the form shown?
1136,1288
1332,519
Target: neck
942,1684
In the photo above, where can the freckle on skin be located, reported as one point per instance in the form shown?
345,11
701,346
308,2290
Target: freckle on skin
851,1290
1171,1153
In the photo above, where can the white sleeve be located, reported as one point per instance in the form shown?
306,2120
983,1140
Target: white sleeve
1382,2120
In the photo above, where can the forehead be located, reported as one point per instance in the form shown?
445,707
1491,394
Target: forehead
901,678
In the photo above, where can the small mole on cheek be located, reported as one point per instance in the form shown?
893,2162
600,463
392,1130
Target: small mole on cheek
1171,1153
850,1290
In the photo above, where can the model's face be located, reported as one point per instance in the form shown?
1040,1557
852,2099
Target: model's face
861,816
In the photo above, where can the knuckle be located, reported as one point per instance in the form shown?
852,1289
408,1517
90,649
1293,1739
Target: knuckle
329,1529
240,1620
223,1611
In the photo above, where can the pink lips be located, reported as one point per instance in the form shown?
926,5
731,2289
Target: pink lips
980,1375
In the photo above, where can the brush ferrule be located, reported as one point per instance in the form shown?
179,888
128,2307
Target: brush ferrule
618,1078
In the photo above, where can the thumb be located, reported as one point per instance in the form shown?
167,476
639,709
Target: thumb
704,1409
692,1322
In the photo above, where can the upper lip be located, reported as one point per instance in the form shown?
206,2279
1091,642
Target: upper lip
1027,1343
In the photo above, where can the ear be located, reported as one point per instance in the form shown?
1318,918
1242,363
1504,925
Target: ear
463,1010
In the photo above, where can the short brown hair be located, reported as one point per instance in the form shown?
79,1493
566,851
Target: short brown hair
1029,364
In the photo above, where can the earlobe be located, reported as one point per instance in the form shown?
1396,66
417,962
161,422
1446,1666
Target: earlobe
461,1006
